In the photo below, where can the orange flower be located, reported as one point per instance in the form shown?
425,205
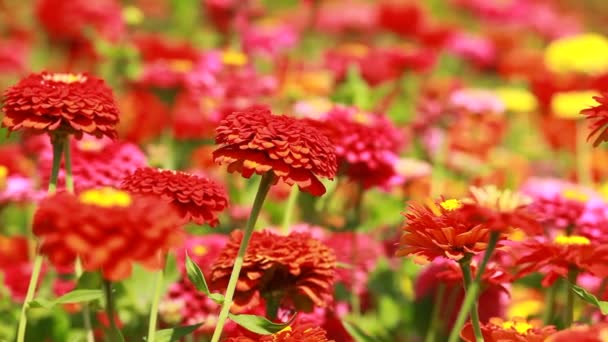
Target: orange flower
64,103
298,333
599,117
441,230
257,141
591,333
295,270
517,330
108,229
197,198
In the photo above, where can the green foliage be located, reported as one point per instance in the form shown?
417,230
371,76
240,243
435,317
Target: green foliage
175,334
258,324
197,278
589,298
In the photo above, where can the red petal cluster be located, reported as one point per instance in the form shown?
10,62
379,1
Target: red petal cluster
258,142
297,267
596,332
598,115
518,330
298,333
196,198
432,231
106,238
66,103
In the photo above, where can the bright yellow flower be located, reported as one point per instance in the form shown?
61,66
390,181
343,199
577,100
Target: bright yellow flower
585,53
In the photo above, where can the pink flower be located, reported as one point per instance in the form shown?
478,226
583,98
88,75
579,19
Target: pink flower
475,49
477,101
202,249
269,39
20,190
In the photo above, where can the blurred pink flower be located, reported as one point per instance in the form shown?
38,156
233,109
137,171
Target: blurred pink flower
477,101
269,39
202,249
475,49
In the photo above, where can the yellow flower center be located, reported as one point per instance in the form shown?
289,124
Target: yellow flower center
180,65
67,78
451,204
90,145
132,15
3,176
234,58
575,195
199,250
522,328
518,100
568,105
106,197
572,240
584,53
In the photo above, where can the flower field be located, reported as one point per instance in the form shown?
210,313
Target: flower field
303,170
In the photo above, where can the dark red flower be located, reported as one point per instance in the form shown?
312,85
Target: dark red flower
108,229
598,116
297,333
62,103
258,142
196,198
295,271
516,330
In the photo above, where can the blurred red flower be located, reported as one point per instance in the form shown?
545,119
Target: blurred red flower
257,141
296,333
598,116
294,271
517,330
143,116
196,198
108,229
62,103
590,333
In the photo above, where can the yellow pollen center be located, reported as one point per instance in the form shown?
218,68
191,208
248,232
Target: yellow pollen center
199,250
180,65
572,240
106,197
89,145
287,328
522,328
234,58
575,195
451,204
67,78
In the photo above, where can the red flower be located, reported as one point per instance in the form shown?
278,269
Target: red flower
143,116
441,230
587,333
196,198
13,250
598,115
297,333
258,141
63,103
108,229
296,270
517,330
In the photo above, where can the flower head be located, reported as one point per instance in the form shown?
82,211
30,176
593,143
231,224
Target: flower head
297,333
259,142
196,198
584,53
518,329
296,270
185,305
596,332
598,115
108,229
62,103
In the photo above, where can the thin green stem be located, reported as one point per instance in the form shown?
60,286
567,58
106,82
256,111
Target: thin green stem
549,304
569,312
107,289
264,187
467,279
289,210
67,154
86,312
31,289
158,284
431,333
473,291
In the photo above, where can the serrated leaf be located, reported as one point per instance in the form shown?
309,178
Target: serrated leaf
259,325
197,278
589,298
174,334
76,296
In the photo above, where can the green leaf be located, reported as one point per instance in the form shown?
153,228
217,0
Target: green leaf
356,333
174,334
198,279
258,324
89,280
389,312
76,296
589,298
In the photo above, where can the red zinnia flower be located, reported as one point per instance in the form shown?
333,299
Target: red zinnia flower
587,333
517,330
63,103
599,117
196,198
258,141
442,230
297,333
296,270
108,229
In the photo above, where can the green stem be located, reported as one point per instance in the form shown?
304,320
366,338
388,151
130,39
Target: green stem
86,313
434,325
549,304
154,309
569,312
473,291
107,289
31,289
264,187
289,210
69,179
467,279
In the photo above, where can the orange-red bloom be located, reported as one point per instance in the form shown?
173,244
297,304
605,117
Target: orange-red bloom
296,271
598,115
108,229
517,330
257,141
441,230
197,198
586,333
298,333
63,103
